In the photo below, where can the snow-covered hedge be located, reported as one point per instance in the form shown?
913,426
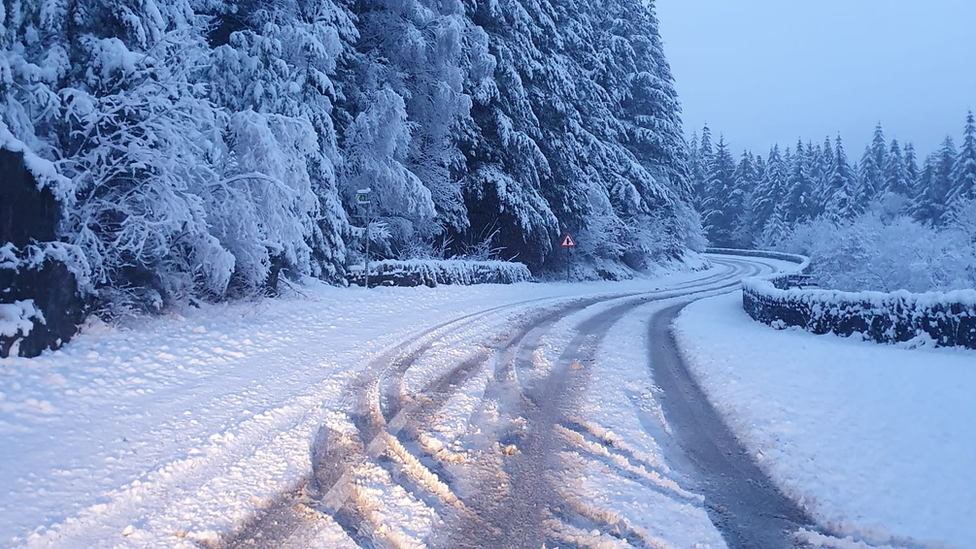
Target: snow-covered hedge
948,319
432,273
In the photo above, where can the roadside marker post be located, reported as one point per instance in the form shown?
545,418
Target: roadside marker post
363,201
569,245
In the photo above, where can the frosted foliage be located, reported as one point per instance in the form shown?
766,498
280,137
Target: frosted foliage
266,208
140,163
377,145
874,253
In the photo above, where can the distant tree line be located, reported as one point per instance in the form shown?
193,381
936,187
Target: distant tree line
758,201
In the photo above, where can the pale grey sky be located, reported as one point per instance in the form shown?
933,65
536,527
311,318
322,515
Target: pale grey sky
765,71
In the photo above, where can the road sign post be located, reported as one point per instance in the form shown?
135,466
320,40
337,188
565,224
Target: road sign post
568,244
362,200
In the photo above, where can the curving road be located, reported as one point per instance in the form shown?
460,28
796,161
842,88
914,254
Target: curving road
504,483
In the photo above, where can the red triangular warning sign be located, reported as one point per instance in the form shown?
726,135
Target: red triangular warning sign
568,242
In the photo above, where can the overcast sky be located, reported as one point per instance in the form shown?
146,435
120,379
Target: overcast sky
765,71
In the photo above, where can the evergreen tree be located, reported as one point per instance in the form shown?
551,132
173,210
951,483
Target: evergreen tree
963,178
842,189
701,165
799,200
705,149
932,204
870,175
896,172
745,180
699,171
912,172
922,206
770,192
722,203
825,168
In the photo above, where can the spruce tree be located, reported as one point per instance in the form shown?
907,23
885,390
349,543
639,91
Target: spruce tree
842,188
963,186
826,163
870,175
745,180
912,171
896,172
770,192
799,200
722,203
936,183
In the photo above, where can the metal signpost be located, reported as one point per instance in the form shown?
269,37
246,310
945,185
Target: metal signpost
568,244
362,200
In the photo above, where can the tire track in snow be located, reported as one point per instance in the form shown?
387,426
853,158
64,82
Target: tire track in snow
335,463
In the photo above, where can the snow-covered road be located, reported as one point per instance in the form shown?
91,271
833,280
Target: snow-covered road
395,417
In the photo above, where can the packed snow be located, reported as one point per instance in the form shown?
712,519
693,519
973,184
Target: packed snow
878,441
177,428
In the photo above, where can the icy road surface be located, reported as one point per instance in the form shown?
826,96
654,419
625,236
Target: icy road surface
516,416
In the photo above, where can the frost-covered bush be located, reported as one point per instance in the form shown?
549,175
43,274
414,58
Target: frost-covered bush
885,253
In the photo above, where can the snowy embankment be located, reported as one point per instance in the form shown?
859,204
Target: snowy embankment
181,427
879,442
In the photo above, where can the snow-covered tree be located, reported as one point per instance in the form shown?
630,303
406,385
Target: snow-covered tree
745,179
770,193
718,209
896,172
842,187
799,205
963,178
936,182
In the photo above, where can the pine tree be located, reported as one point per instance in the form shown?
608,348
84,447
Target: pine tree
963,178
770,192
701,165
896,172
936,183
842,189
912,172
719,207
699,171
870,177
922,206
799,200
745,180
825,163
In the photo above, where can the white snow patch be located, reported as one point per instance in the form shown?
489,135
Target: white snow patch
875,440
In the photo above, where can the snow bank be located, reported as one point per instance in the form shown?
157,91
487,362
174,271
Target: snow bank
432,273
877,441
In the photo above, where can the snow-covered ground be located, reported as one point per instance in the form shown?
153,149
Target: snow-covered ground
179,428
879,442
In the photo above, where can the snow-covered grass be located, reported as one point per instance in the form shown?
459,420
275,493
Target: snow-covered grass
879,442
180,427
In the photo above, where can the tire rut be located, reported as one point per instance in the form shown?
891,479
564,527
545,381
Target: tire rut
743,503
384,416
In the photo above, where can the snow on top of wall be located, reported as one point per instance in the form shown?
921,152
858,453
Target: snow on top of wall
765,287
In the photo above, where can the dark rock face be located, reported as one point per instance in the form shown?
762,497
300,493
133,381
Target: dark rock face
26,214
29,219
55,292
